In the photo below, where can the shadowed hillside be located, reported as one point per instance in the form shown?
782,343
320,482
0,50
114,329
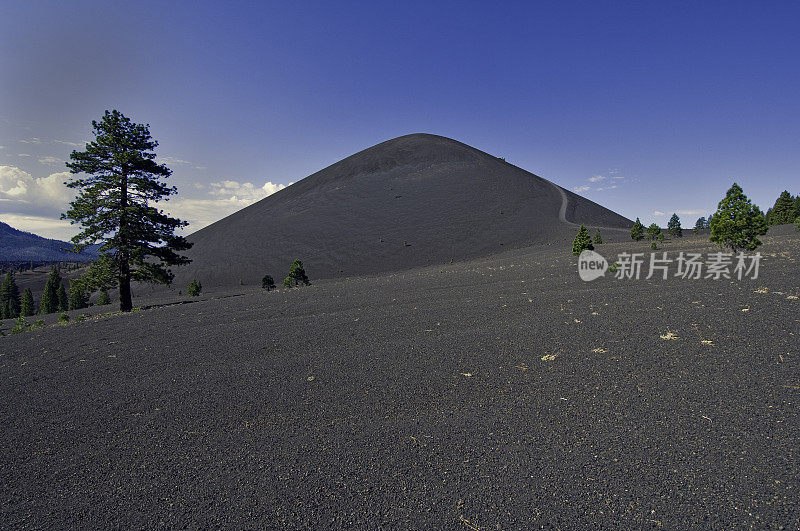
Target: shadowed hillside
412,201
19,246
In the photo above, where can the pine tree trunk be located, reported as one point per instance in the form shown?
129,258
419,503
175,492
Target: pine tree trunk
125,302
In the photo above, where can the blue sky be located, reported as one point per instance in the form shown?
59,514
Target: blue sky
644,107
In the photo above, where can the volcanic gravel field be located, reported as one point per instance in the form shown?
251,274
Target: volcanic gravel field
495,393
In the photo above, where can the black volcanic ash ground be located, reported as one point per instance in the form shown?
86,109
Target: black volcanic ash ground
499,393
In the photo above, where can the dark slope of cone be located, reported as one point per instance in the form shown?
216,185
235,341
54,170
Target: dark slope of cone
412,201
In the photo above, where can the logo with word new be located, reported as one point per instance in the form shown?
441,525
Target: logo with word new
591,265
690,266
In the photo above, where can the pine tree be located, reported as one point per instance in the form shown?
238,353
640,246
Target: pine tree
49,302
63,300
9,297
77,296
267,283
653,231
783,211
582,241
699,225
103,299
297,275
119,182
598,240
674,226
637,231
737,223
26,307
194,288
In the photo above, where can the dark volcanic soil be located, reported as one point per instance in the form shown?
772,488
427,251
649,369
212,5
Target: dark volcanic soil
502,393
412,201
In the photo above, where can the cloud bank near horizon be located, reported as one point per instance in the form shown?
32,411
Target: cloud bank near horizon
34,204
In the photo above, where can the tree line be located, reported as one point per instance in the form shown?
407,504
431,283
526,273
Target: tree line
55,298
736,224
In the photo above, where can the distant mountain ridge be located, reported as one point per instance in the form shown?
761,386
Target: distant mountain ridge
19,246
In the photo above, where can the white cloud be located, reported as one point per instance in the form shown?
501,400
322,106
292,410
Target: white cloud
19,186
611,187
202,212
38,202
73,144
693,212
658,213
42,226
23,155
31,141
247,192
596,178
171,160
580,189
51,160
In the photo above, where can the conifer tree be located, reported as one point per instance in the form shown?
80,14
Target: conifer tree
9,297
119,182
637,231
103,299
297,275
77,296
598,240
674,226
194,288
267,283
63,299
699,225
737,223
582,241
653,231
49,302
26,307
783,211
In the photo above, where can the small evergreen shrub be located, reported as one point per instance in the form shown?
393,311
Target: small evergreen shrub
63,319
194,288
653,231
267,283
582,241
297,275
598,240
637,231
20,325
